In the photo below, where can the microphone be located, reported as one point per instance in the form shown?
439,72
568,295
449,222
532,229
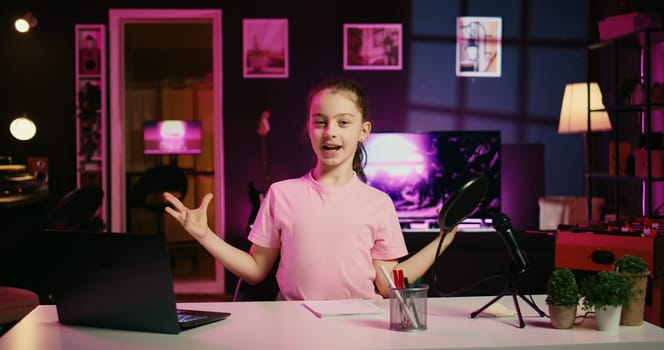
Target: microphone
503,226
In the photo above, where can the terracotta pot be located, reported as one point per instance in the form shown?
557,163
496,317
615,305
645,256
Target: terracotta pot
632,312
562,317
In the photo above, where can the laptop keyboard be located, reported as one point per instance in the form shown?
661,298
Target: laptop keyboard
190,320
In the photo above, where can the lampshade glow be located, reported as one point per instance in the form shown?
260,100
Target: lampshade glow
22,128
574,110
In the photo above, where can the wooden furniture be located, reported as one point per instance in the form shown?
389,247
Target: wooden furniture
24,211
91,107
596,252
474,257
289,325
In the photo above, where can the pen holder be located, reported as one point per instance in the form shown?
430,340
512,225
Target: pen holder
408,308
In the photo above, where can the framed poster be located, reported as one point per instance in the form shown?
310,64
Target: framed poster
478,49
373,46
265,48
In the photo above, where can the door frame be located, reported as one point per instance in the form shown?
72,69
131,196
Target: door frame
116,20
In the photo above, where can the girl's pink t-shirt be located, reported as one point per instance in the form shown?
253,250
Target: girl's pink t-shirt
328,237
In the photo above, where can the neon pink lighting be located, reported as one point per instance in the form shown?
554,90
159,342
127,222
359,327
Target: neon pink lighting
396,156
172,137
419,171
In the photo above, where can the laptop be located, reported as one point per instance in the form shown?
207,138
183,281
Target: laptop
119,281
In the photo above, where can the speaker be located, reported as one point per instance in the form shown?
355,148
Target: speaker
89,61
38,168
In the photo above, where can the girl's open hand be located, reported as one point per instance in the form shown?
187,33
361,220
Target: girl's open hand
194,221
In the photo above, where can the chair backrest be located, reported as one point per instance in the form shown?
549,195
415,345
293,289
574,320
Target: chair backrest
267,290
148,190
77,210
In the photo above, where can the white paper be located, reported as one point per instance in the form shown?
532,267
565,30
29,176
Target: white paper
498,310
344,307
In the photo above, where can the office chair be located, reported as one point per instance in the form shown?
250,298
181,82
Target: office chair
267,290
148,191
77,210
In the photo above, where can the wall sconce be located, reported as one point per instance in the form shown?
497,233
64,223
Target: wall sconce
25,23
22,128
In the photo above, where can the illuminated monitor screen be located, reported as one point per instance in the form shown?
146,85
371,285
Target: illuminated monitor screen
420,170
172,137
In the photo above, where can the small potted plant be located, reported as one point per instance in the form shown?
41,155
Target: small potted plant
605,293
636,269
562,298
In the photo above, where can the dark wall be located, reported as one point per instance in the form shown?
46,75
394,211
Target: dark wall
38,69
543,48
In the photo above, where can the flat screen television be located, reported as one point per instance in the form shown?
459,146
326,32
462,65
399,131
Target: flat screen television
172,137
419,170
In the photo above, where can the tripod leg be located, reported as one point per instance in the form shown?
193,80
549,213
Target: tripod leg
529,302
518,310
477,312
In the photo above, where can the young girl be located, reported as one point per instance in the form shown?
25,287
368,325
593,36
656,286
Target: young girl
331,229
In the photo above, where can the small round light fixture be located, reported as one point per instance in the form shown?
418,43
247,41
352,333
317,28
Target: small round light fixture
22,128
25,23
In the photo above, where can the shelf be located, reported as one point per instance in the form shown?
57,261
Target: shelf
618,59
89,76
91,159
632,40
633,109
90,93
606,176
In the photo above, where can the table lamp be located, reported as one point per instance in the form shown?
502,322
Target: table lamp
574,119
574,110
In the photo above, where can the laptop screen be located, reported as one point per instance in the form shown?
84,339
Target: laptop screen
108,280
116,281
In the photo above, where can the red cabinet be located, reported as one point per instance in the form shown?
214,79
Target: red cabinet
597,252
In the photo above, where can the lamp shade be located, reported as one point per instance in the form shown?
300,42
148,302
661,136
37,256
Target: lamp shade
25,23
23,128
574,110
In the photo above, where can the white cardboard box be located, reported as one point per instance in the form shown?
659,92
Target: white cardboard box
566,210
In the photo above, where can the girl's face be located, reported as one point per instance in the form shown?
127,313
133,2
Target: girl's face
335,127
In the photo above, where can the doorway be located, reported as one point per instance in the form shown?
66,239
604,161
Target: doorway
164,65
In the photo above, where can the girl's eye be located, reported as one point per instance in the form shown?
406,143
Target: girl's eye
319,123
344,122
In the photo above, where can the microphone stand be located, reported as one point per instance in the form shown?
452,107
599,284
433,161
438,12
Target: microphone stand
511,287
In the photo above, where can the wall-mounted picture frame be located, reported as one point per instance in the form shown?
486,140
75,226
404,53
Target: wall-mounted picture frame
265,48
373,46
479,46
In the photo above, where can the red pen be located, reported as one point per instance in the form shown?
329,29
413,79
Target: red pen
395,277
402,283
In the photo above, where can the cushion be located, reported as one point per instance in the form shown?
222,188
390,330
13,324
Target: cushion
15,303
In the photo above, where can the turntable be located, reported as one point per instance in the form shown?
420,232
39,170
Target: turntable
15,180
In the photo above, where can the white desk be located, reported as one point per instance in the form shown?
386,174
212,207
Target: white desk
288,325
